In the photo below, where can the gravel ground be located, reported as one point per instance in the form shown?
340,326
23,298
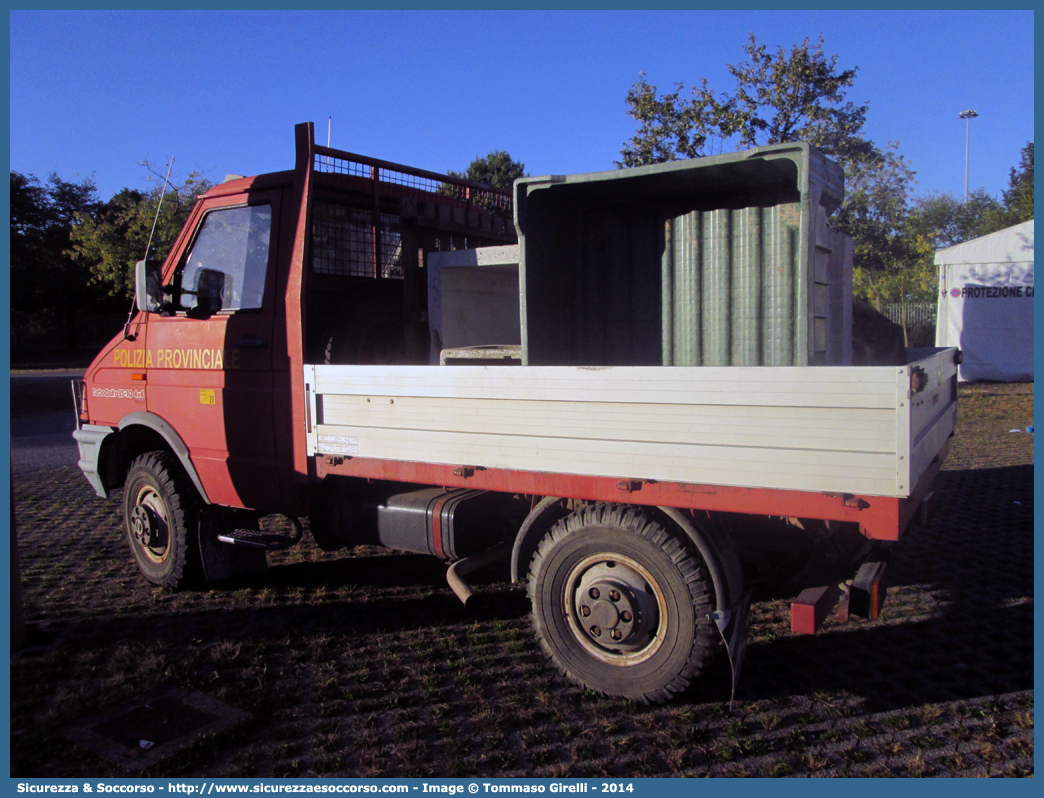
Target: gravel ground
363,664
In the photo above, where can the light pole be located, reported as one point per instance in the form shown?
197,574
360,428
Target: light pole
968,116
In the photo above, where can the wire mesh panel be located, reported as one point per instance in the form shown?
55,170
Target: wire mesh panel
413,181
342,240
916,312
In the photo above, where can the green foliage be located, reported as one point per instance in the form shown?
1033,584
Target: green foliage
798,96
893,260
933,222
947,221
496,169
1018,198
670,127
780,97
116,235
48,276
72,254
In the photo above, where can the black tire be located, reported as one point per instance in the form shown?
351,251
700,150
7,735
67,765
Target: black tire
621,604
160,511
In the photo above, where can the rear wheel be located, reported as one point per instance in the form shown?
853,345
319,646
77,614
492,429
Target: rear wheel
160,515
621,604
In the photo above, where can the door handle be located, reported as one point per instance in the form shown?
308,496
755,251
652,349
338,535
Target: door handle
251,342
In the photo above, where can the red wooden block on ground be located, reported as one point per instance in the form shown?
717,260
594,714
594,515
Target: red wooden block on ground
810,608
868,591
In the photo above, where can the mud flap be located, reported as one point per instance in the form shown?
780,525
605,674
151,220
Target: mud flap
222,562
734,624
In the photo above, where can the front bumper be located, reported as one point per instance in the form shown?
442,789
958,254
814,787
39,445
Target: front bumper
89,438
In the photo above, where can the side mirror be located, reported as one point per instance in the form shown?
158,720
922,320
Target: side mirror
148,286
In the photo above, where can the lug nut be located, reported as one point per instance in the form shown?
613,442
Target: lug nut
596,631
614,595
615,634
593,593
585,610
625,616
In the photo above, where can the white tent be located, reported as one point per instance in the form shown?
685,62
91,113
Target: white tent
986,304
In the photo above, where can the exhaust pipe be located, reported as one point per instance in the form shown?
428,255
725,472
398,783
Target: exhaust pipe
457,571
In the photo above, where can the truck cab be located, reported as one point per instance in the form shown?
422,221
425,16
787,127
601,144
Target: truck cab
321,264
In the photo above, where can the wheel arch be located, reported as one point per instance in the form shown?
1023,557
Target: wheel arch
548,512
142,431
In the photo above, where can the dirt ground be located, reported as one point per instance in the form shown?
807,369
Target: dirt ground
364,664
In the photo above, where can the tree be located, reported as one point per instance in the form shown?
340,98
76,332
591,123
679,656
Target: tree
670,128
1018,198
947,221
887,250
786,96
30,217
48,276
117,234
497,169
778,98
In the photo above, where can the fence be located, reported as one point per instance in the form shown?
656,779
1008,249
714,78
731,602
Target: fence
916,312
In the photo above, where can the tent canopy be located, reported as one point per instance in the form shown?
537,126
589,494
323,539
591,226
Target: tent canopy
986,304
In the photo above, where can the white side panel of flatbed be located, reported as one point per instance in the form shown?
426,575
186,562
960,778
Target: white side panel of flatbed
832,429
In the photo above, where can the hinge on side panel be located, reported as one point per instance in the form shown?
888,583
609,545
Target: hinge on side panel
629,485
918,380
848,500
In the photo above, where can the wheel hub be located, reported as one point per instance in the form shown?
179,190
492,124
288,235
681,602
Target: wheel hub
143,526
613,606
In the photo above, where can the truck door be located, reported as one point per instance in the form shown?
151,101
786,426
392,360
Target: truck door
211,355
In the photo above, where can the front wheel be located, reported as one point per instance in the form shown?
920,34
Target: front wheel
621,604
160,516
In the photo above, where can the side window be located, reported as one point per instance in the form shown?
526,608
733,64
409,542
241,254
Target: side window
225,270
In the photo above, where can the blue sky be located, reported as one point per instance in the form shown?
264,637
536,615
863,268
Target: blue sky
95,93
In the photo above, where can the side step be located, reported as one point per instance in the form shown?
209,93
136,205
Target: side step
264,541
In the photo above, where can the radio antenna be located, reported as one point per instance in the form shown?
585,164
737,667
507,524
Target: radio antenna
166,182
127,334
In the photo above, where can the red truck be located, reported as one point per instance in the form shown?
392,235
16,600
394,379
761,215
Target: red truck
599,376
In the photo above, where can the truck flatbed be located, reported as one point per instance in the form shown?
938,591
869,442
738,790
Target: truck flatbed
864,431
